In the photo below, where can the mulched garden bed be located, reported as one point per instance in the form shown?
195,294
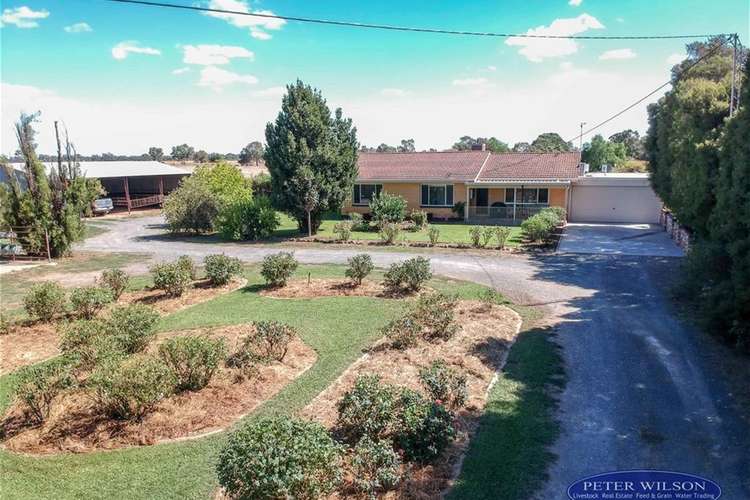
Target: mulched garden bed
315,288
75,425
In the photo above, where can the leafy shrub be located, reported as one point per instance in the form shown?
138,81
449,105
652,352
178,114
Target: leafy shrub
343,230
89,300
116,280
44,300
403,332
80,340
270,339
375,466
37,385
487,233
559,212
187,264
537,228
458,208
192,359
132,326
357,221
6,325
389,232
220,269
367,409
444,384
501,235
434,234
435,314
226,183
419,218
130,388
359,267
410,275
491,297
279,458
191,207
425,428
475,234
387,208
249,220
277,268
173,279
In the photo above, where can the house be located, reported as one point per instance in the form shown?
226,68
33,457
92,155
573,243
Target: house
503,188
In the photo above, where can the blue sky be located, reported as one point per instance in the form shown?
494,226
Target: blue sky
124,77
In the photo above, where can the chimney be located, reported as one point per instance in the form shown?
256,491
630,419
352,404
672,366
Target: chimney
479,147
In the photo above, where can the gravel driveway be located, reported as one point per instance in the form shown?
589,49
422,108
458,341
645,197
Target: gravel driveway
643,391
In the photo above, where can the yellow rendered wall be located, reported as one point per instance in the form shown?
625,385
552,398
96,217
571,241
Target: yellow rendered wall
412,193
557,197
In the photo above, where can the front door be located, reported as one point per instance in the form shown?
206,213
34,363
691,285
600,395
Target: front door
481,197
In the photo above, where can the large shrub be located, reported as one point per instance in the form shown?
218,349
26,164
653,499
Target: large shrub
186,264
367,409
44,300
537,227
275,458
359,267
89,300
130,388
116,280
403,332
132,326
192,359
343,230
173,278
221,269
248,220
409,275
387,207
425,428
80,340
277,268
444,384
270,339
192,207
225,182
37,385
435,313
375,466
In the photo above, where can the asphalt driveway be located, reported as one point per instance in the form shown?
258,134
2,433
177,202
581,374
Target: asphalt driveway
618,239
643,389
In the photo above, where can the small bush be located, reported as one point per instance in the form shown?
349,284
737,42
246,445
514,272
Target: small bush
389,232
116,280
89,300
279,458
444,384
37,385
559,212
403,332
44,301
130,388
343,230
357,221
187,264
270,339
490,297
419,218
434,234
475,235
193,360
80,341
410,275
220,269
6,325
458,208
501,234
375,466
171,278
248,219
132,326
435,314
425,428
359,267
487,233
388,208
367,409
277,268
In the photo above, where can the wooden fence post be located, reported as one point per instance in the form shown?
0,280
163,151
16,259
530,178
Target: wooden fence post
46,240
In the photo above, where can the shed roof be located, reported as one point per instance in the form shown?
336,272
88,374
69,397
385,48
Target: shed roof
129,168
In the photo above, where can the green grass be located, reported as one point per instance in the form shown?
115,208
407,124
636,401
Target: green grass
337,328
450,232
94,227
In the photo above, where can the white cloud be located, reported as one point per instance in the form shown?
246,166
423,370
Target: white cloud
393,92
537,49
78,28
566,65
180,71
492,68
270,92
256,25
618,54
575,3
217,78
211,55
675,59
122,49
22,17
472,82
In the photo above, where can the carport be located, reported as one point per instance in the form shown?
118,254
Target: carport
614,198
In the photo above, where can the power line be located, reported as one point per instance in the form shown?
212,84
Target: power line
352,24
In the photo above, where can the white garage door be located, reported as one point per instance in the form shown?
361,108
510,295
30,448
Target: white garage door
614,201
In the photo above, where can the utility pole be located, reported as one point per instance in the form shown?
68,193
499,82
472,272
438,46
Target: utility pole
580,138
733,94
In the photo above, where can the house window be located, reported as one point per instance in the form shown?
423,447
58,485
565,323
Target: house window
528,196
510,195
437,195
363,193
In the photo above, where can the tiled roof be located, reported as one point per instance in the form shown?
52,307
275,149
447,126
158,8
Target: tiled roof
531,166
464,166
426,166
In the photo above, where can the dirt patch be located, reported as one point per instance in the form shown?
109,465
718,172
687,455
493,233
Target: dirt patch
201,291
479,350
75,425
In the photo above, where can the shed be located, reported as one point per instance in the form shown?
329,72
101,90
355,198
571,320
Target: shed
614,198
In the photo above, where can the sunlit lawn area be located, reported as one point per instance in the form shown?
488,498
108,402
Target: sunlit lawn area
450,232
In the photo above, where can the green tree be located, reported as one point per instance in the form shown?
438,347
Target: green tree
200,156
155,153
549,142
225,182
632,141
182,152
215,157
521,147
600,152
407,146
253,152
493,144
385,148
306,137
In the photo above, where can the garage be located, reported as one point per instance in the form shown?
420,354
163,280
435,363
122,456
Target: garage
614,198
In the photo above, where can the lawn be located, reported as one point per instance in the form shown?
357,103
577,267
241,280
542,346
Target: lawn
504,461
450,232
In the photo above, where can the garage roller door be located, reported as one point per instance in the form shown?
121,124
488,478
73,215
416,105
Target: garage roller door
611,204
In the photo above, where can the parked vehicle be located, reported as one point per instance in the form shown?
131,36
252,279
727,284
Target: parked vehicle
102,206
